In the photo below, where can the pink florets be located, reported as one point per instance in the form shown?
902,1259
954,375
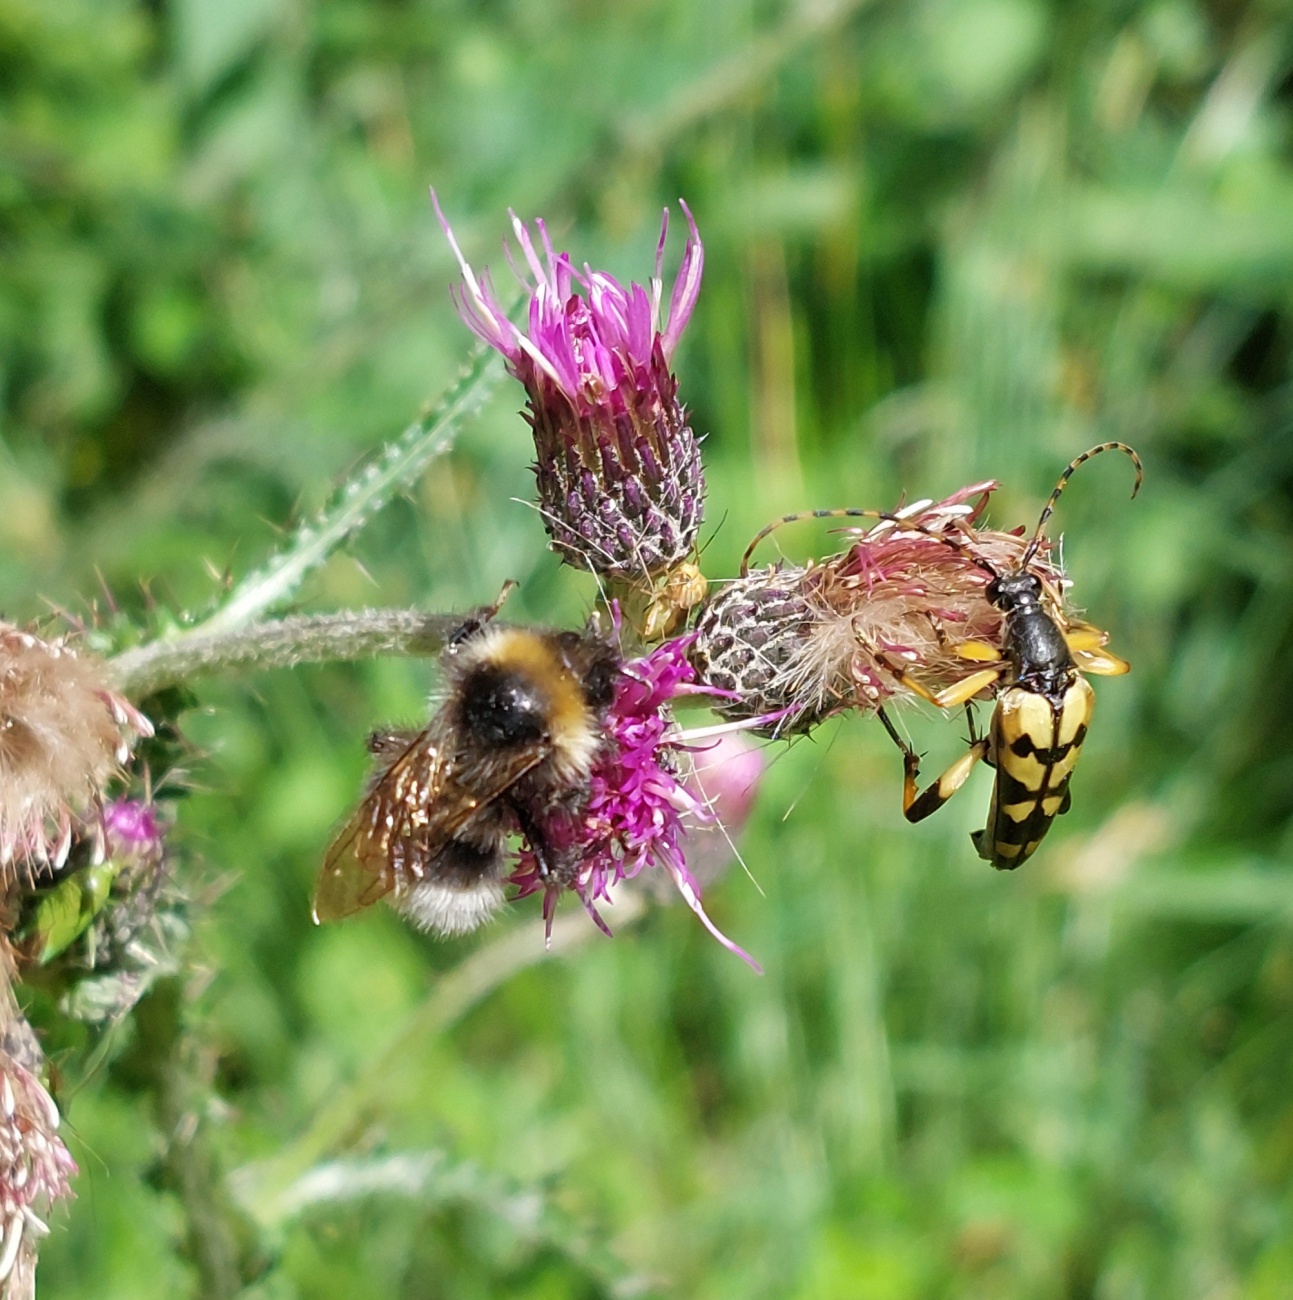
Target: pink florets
621,486
588,335
131,824
639,808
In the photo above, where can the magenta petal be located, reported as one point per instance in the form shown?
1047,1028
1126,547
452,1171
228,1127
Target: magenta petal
640,329
475,300
541,277
688,891
686,288
597,918
614,322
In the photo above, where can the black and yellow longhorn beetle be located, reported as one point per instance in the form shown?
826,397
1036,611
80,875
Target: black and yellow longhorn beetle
1044,704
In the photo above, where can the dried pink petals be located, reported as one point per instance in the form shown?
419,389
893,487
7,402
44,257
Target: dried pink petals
35,1165
798,644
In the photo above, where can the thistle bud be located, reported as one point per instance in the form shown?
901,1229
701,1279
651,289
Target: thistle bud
749,641
620,481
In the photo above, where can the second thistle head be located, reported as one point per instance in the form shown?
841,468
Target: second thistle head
620,481
790,646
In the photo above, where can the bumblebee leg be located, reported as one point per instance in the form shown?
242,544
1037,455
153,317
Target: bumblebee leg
476,621
387,746
535,840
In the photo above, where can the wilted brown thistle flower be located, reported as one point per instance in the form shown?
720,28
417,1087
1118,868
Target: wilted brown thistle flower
796,645
63,734
35,1166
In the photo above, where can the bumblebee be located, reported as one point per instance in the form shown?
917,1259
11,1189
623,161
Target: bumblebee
1043,703
515,739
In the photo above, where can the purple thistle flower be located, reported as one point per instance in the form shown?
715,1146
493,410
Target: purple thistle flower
131,825
639,806
620,481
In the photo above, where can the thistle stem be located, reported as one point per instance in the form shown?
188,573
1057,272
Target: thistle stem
356,501
282,643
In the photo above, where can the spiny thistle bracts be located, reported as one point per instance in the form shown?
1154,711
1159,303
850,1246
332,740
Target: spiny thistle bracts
749,637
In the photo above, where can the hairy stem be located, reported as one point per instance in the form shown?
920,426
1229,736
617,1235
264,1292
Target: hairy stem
358,500
178,1066
282,643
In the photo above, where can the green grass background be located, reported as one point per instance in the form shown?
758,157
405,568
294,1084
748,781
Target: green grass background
945,239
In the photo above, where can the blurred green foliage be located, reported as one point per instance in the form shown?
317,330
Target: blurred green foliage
945,239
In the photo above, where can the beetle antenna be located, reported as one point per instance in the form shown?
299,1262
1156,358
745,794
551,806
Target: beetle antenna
850,512
1064,478
844,512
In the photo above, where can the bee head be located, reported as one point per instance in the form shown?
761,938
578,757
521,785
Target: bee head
515,687
501,705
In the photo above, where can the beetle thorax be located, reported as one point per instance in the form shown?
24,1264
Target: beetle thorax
1038,653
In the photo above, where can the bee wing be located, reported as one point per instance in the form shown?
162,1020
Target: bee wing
415,806
358,868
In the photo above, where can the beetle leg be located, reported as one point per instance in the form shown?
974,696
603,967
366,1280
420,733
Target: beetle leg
1087,645
972,725
978,652
950,696
1084,636
918,804
963,691
1101,662
916,807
